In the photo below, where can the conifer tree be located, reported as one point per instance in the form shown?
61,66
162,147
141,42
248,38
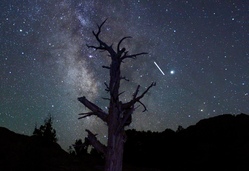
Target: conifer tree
46,131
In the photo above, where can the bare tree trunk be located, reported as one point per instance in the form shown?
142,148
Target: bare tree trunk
114,156
115,144
119,114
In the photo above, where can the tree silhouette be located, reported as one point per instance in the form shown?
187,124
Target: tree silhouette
119,114
179,128
46,131
80,147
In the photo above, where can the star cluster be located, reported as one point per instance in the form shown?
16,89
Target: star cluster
202,48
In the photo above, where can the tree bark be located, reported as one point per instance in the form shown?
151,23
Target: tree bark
119,115
115,143
114,155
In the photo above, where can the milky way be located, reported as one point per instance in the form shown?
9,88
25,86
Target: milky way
45,65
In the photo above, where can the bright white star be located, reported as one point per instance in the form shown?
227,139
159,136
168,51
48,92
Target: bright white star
172,72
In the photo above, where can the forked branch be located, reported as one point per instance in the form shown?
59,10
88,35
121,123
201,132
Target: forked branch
142,95
102,45
136,98
94,108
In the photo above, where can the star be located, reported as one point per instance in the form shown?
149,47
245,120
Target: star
172,72
45,64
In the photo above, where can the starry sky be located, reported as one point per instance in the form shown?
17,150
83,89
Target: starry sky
201,48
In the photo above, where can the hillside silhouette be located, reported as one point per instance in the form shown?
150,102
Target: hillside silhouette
34,153
217,143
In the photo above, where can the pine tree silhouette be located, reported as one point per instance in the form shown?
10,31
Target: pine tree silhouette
46,131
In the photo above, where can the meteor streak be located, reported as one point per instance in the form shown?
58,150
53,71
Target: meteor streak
159,68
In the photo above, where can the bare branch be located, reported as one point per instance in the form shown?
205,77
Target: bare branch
106,67
136,92
89,104
95,47
95,143
135,98
102,45
119,43
86,114
94,108
124,78
145,109
105,98
107,87
133,56
99,27
128,107
121,93
142,95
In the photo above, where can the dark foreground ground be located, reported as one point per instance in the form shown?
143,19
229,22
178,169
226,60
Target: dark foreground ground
218,143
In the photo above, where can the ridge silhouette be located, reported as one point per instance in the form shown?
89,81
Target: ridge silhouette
220,142
216,143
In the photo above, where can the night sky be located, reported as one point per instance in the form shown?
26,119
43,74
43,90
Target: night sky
201,47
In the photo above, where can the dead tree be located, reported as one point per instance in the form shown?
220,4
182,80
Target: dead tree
119,114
